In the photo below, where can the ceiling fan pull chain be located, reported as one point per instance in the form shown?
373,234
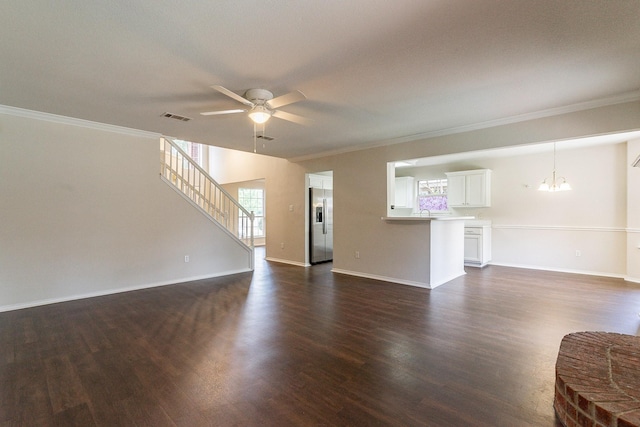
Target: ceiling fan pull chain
254,138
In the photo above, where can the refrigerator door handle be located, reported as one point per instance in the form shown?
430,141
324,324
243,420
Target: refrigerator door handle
324,220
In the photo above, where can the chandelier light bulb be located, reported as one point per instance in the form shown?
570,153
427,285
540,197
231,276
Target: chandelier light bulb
565,186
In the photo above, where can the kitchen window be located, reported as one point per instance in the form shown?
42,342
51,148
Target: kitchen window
432,195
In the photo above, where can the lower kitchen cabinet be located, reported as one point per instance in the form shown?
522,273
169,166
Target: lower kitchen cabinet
477,246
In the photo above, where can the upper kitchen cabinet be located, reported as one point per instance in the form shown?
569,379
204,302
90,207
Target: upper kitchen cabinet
469,189
323,180
405,192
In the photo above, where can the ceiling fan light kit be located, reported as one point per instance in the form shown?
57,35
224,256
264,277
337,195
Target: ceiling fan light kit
259,114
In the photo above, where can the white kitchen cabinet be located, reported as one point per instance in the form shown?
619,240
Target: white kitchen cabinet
477,246
469,189
321,181
405,192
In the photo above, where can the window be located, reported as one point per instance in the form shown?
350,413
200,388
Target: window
252,199
194,150
432,195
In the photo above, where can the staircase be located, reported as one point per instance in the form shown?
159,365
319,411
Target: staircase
187,178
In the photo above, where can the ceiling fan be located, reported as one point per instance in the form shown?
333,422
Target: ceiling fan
262,105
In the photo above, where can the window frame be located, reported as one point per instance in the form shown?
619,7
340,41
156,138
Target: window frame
259,222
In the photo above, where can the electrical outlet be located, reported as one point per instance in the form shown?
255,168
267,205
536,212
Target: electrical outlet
578,253
186,258
282,245
357,254
290,208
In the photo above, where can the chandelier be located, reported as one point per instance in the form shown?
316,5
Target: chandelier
556,183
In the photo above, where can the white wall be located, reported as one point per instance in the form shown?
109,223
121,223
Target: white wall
83,212
633,213
544,230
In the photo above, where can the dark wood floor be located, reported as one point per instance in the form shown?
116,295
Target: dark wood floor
293,346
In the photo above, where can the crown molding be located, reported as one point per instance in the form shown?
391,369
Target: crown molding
557,111
55,118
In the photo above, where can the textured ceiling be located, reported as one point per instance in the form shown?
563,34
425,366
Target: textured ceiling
374,71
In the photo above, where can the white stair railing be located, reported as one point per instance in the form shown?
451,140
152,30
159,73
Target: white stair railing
185,176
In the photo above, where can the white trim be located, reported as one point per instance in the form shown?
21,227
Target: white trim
632,279
286,261
12,307
448,279
559,270
597,103
557,111
633,230
54,118
560,228
382,278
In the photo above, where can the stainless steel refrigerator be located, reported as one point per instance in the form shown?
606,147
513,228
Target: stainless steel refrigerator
320,225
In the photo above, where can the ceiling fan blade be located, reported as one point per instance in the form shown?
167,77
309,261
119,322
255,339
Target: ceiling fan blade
292,117
288,98
217,113
233,95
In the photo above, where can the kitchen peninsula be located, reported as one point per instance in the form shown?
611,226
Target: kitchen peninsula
446,246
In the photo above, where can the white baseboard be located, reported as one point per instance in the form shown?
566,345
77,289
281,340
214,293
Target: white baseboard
447,279
632,279
287,261
37,303
382,278
559,270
